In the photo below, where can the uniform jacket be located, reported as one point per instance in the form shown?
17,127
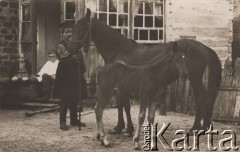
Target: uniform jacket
70,82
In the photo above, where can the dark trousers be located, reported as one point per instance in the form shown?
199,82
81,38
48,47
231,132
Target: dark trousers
44,87
72,104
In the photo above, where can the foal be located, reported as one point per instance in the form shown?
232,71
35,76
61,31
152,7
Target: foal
144,81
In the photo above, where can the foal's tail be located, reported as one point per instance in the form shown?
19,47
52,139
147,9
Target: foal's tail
214,79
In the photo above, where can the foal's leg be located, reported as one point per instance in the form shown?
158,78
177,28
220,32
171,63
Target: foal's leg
141,117
120,125
99,114
200,94
130,127
151,116
151,112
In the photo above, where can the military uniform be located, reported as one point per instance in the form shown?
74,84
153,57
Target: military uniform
70,84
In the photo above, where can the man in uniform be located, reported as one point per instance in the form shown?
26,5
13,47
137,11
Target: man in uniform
70,84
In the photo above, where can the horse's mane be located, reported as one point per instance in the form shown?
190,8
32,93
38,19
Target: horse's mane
121,42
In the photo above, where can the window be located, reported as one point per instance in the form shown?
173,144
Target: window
25,21
69,10
113,12
144,22
148,23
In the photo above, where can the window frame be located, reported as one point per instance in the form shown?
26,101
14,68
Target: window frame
128,30
64,14
163,28
117,27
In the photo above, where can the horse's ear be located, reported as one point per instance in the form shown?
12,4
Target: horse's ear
88,13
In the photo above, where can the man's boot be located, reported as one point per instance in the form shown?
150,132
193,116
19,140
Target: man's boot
63,113
74,121
63,126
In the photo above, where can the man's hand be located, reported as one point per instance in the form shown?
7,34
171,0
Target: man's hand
33,78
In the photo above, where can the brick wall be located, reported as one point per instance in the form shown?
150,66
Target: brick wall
210,21
8,34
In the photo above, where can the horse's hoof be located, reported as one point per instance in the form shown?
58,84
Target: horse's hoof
98,136
105,142
107,145
115,131
137,147
128,133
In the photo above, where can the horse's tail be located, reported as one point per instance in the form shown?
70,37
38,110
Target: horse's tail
214,79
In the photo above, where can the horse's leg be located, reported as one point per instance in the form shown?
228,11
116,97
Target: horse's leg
120,125
207,114
200,95
151,116
127,108
209,104
99,114
141,117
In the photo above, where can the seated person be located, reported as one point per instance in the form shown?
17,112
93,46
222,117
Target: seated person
44,80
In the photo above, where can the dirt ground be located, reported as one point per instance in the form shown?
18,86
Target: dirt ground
41,132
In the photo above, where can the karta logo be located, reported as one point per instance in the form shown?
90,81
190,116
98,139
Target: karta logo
152,136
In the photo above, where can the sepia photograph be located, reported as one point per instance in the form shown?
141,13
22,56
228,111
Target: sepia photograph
119,75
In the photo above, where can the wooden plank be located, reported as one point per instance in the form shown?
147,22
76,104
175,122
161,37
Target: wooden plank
33,104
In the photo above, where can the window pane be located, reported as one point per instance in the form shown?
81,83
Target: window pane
161,34
158,21
153,34
158,9
148,8
112,19
135,34
112,6
148,21
140,10
26,12
122,20
103,17
123,6
103,5
138,21
143,34
70,10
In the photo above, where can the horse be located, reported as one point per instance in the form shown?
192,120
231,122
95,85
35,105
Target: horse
113,46
142,81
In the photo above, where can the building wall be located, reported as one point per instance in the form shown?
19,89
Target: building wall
210,21
8,34
236,8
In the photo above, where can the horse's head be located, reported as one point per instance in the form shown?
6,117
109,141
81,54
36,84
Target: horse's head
180,61
81,33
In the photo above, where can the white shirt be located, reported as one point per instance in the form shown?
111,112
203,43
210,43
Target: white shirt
49,68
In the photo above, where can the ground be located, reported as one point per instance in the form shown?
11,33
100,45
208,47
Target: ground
41,132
